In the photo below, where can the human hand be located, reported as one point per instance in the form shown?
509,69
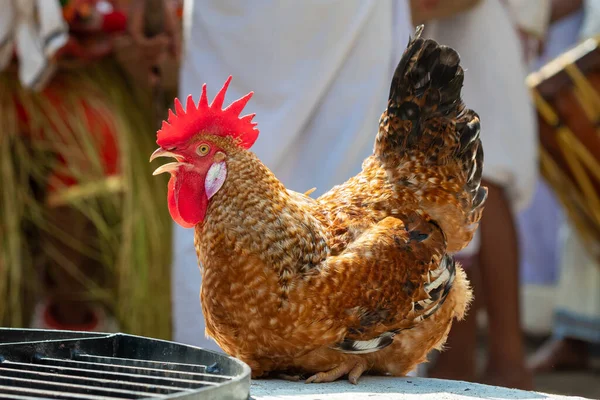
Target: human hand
531,45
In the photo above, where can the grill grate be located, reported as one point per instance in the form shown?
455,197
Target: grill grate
56,365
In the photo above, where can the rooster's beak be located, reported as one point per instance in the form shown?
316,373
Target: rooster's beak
170,167
160,152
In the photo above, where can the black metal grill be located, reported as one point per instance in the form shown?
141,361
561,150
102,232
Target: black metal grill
38,364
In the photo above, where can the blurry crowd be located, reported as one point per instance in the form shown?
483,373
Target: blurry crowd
84,239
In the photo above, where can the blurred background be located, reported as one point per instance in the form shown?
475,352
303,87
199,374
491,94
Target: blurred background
86,241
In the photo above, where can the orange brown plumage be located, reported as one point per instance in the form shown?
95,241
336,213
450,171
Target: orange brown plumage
361,279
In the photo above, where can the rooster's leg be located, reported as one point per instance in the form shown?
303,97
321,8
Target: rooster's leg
354,367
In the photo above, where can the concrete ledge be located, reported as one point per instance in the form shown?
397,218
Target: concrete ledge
380,388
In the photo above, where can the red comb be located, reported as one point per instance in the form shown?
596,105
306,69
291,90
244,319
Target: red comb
205,119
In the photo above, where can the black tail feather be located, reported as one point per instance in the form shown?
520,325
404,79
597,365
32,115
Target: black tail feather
426,118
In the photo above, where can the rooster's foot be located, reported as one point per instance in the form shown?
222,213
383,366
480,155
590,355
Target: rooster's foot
353,367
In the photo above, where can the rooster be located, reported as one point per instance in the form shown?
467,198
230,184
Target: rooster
361,279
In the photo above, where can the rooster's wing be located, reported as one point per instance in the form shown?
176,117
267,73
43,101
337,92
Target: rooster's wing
394,276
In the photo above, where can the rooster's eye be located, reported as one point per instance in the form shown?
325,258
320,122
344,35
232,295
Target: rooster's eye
203,149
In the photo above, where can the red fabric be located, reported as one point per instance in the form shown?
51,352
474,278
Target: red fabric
51,322
116,21
98,120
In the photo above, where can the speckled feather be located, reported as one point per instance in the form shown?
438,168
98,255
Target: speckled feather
361,278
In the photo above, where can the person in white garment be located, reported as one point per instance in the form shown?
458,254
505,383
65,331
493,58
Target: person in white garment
494,86
320,72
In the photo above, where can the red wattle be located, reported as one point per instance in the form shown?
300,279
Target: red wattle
187,198
173,205
190,196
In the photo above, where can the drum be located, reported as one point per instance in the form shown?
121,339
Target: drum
566,92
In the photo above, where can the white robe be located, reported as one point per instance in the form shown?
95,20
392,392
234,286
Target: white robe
320,71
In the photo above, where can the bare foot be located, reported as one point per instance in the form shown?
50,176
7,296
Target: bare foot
514,378
353,367
560,354
464,369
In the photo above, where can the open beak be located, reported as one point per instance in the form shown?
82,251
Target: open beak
170,167
160,152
